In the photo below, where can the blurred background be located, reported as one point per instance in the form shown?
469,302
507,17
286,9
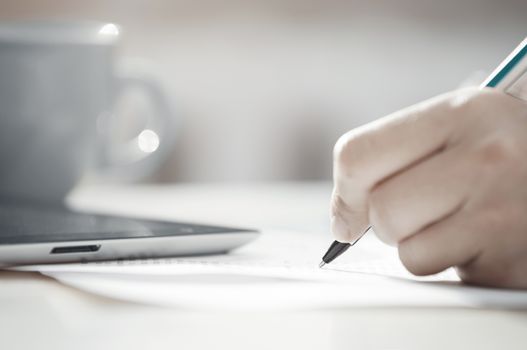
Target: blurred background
262,89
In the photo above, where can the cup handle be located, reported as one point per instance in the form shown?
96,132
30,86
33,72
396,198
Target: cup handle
140,155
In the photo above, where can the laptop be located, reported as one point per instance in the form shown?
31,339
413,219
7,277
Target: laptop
35,233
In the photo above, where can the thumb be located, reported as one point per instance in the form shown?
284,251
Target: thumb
347,224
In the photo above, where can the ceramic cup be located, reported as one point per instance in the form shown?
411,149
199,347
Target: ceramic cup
58,87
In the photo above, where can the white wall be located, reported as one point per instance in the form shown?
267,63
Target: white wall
264,88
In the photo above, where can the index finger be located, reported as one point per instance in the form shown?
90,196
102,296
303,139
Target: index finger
369,154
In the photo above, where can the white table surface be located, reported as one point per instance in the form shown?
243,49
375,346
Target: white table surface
38,313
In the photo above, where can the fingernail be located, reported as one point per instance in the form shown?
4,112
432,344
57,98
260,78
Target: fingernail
339,228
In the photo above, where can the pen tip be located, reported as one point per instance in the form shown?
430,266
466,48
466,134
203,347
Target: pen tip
321,265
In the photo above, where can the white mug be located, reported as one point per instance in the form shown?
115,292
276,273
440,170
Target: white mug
58,84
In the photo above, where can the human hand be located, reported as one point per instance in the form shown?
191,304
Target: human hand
445,181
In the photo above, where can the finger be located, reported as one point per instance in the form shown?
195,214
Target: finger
420,195
347,223
366,155
450,242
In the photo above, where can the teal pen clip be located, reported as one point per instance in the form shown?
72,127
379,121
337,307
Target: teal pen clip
511,75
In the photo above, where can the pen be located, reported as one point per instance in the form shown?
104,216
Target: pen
510,77
337,248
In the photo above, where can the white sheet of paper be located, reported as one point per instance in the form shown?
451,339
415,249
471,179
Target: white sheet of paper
279,270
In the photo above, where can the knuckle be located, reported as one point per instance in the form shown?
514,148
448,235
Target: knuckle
338,206
341,147
348,152
346,221
412,258
498,152
502,267
476,103
482,273
467,101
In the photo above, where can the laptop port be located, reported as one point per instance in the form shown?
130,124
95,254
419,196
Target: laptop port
76,249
